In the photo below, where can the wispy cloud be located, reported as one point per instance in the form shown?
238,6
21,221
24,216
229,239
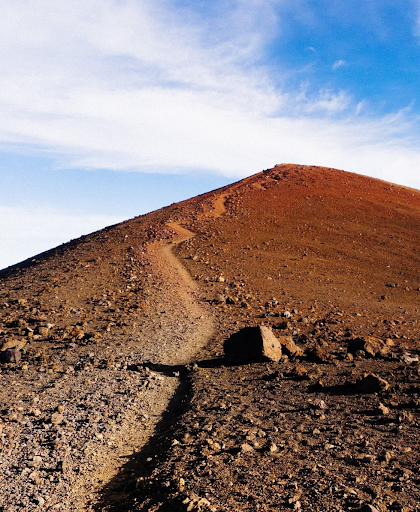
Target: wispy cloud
339,64
147,86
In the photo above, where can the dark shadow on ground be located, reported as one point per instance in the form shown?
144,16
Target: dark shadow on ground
123,492
347,388
126,490
130,488
182,370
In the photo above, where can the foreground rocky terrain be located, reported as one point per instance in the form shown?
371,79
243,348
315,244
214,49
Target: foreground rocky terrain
121,398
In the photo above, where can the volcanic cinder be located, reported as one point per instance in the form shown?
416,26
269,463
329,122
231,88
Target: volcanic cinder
120,397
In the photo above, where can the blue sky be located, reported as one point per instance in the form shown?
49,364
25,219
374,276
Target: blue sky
113,108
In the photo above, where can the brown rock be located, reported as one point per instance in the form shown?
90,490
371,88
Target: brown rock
289,346
371,383
252,344
372,346
301,371
382,409
13,343
43,331
57,418
316,355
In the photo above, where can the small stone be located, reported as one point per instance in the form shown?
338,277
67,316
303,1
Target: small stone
405,417
300,370
383,409
388,456
10,355
318,403
295,498
369,345
40,501
289,346
409,359
43,331
13,343
57,418
35,462
273,448
316,355
246,448
34,476
219,298
368,508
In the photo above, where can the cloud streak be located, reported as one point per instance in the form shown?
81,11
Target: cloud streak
129,86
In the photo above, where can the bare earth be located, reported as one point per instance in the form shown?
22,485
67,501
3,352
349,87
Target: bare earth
122,399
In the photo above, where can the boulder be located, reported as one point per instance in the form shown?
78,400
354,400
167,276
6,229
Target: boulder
252,344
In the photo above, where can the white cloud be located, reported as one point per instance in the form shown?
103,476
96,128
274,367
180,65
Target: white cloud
325,102
25,232
339,64
129,85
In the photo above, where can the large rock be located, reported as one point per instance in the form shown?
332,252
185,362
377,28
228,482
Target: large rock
252,344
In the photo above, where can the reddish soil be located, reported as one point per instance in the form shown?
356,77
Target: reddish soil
326,256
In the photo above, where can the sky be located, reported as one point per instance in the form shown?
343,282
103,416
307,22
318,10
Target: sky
113,108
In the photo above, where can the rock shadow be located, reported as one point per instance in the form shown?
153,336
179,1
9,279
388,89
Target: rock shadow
122,493
181,370
348,388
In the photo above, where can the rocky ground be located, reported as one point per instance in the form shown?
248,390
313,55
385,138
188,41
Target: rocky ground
320,431
122,398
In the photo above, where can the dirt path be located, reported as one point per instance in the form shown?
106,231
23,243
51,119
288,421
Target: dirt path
219,203
187,322
219,207
177,328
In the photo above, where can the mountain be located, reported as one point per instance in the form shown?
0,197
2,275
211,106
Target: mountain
122,399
